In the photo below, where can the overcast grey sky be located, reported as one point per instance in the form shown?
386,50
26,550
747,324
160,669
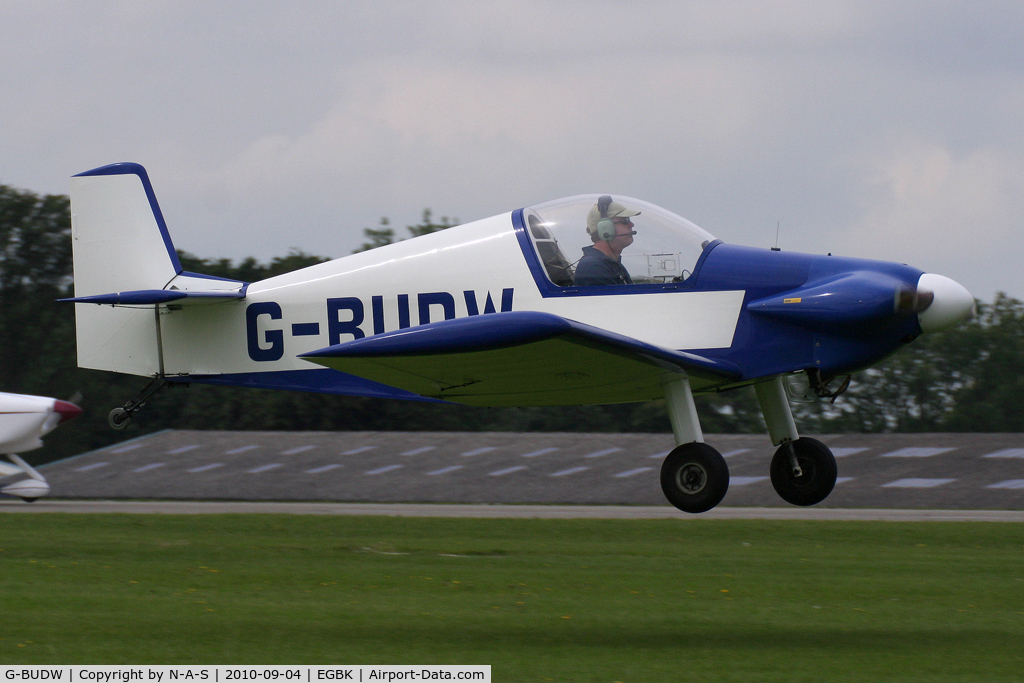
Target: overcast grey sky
890,130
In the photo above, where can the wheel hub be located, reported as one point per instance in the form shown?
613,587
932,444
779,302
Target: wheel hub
691,478
807,474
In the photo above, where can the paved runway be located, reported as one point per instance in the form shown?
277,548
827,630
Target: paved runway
877,471
503,511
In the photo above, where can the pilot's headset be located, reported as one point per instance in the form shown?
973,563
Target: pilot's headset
605,225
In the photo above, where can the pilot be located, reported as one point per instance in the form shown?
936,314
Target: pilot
611,231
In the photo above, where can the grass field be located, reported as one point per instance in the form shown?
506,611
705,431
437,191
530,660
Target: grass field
539,600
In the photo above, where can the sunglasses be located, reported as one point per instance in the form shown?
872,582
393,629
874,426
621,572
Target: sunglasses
625,221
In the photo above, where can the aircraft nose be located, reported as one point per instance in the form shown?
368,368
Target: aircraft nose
950,302
66,410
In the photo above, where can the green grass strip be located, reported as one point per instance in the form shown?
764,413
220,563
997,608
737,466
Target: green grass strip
539,600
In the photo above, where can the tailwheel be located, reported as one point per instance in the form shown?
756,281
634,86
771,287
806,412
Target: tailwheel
694,477
119,419
803,471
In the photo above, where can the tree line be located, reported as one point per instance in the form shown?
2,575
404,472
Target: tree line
965,379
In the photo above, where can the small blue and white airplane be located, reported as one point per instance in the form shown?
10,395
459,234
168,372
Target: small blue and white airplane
24,421
504,312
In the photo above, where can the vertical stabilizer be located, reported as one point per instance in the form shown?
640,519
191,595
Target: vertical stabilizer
120,243
120,239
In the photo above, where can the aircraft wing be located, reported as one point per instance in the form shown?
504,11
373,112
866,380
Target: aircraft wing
529,357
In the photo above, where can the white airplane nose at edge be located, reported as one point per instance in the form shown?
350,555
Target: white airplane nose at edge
24,420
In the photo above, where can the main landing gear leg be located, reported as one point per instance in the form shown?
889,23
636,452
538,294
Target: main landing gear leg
120,418
694,476
803,470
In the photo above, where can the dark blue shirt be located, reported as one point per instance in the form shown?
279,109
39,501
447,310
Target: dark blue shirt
595,268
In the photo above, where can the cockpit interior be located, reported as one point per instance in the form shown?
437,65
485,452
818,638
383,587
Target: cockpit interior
665,249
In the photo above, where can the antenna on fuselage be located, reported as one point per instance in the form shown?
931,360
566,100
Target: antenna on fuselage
776,247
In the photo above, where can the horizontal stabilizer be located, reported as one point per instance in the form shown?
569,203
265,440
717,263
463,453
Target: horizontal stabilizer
156,296
519,358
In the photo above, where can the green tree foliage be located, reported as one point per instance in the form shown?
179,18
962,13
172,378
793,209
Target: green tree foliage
983,373
965,379
35,266
249,269
385,234
427,225
378,237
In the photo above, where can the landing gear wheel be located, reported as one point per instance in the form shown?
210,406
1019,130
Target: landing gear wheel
817,472
694,477
119,419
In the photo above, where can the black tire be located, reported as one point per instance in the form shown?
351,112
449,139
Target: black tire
119,419
694,477
818,472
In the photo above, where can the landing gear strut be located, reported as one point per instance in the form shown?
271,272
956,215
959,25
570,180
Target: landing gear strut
120,418
29,489
694,476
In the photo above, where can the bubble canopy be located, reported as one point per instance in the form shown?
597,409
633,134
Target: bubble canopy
665,249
